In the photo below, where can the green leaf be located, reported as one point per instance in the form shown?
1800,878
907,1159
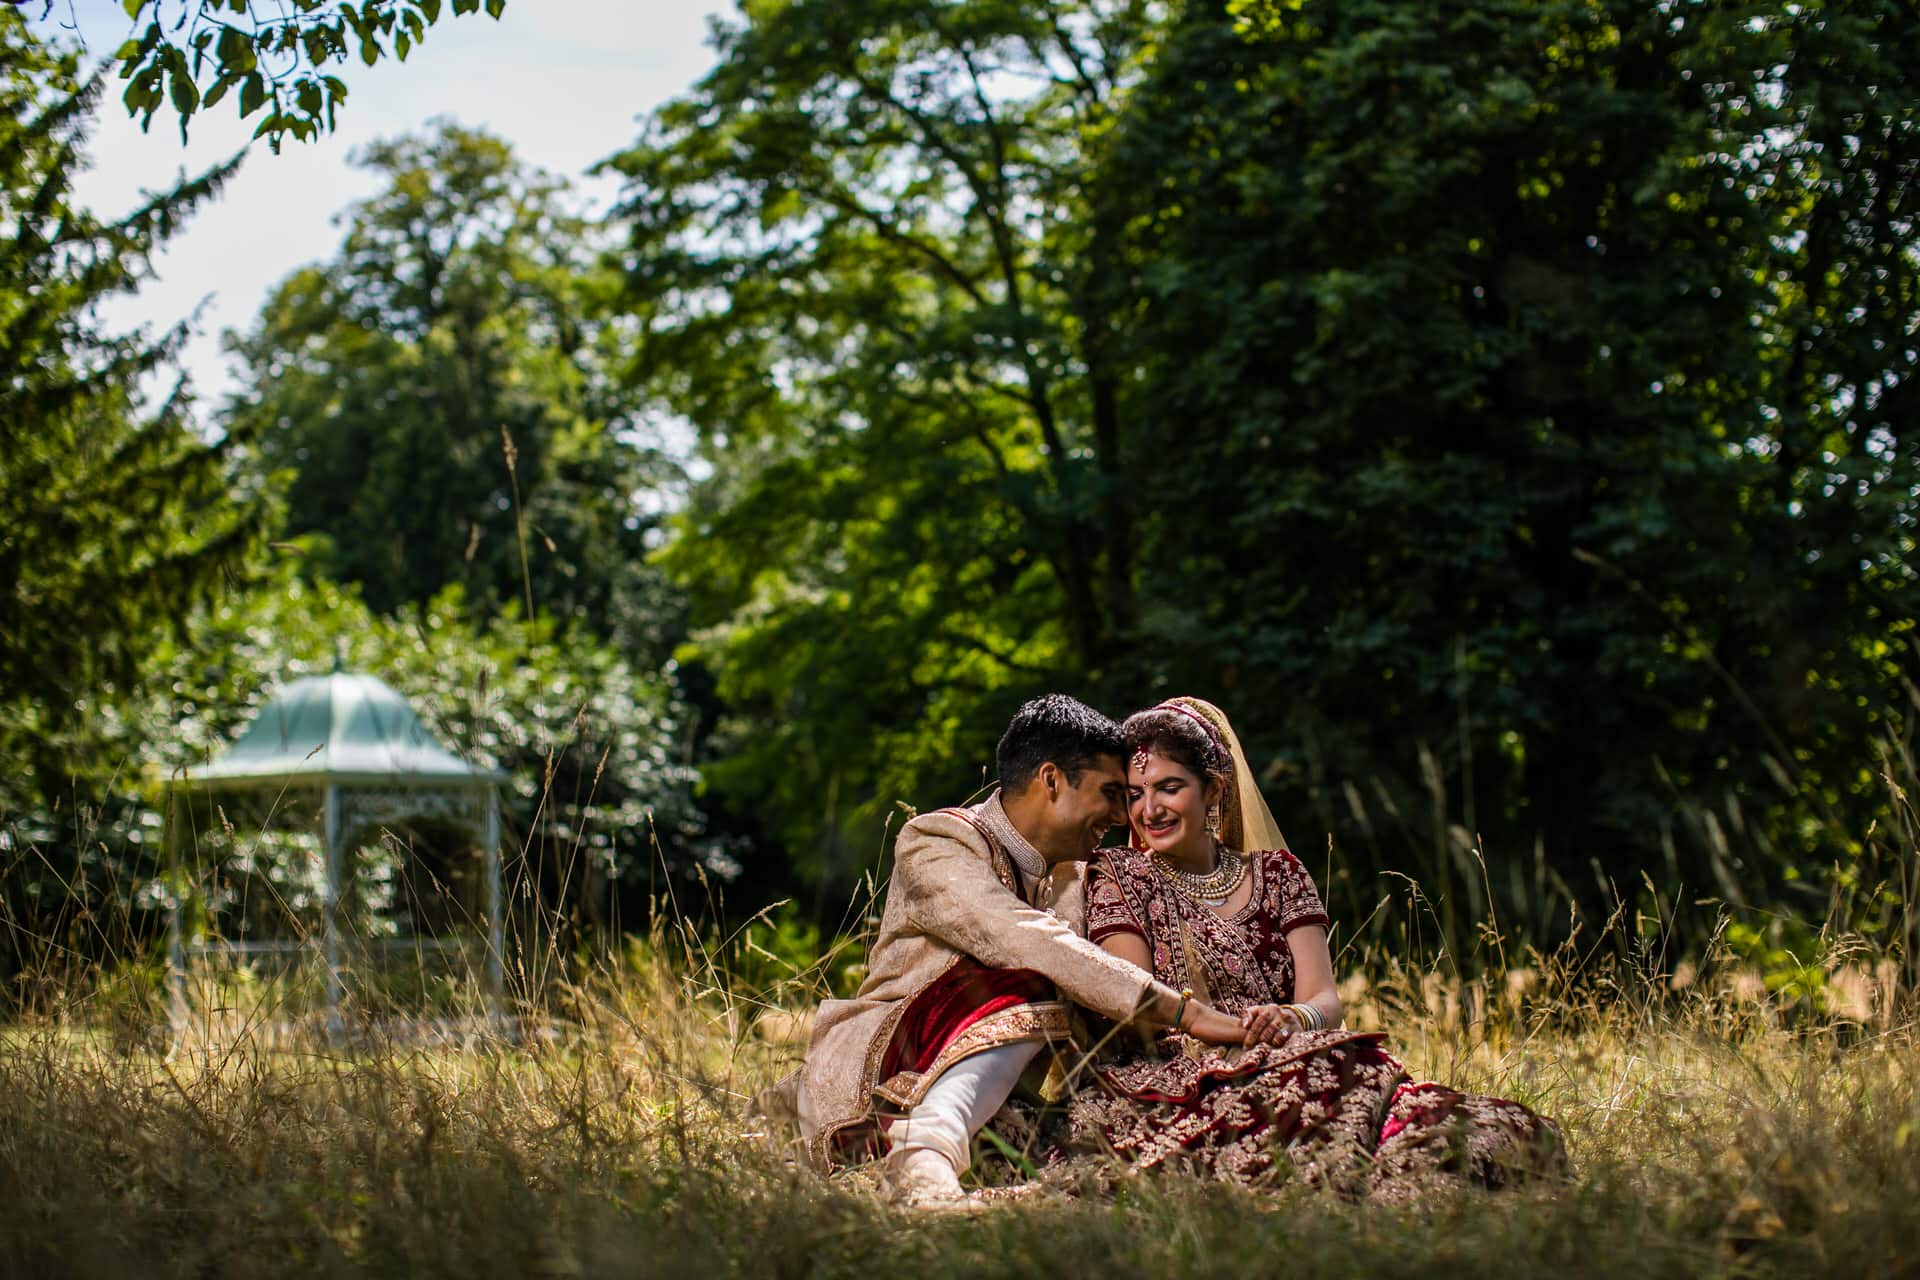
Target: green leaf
209,51
253,94
185,94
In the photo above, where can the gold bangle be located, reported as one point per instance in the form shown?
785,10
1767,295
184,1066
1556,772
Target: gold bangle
1180,1010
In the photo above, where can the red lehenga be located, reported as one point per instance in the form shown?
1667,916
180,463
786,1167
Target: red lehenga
1332,1107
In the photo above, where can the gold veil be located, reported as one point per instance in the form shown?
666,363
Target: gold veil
1245,821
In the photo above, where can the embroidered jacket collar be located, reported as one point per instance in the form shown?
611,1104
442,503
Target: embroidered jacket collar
993,816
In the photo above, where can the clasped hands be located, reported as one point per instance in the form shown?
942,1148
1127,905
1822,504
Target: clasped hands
1270,1023
1262,1024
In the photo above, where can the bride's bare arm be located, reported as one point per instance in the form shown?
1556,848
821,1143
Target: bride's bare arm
1130,947
1313,972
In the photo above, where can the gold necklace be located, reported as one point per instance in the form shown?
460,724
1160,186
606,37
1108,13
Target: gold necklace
1212,887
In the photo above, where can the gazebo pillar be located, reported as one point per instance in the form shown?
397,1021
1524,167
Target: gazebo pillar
496,927
176,943
336,981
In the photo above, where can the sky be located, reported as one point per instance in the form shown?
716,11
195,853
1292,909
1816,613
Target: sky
562,80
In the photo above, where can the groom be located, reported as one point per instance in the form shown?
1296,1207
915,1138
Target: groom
980,939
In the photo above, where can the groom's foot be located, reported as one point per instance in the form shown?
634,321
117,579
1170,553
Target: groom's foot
922,1178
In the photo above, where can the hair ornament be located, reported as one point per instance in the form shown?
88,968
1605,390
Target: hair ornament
1223,758
1213,734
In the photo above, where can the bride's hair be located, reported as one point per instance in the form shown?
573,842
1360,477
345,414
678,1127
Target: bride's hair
1181,736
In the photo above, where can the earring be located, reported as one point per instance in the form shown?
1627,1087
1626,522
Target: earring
1213,822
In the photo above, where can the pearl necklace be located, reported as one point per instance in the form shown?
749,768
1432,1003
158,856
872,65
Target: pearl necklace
1213,887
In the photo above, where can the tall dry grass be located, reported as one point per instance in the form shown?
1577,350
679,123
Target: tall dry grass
1714,1129
1723,1117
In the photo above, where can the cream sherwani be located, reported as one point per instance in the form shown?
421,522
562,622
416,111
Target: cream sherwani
956,892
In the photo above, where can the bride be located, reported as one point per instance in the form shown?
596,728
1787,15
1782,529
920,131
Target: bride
1208,898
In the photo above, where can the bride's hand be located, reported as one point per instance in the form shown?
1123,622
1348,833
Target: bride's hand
1269,1023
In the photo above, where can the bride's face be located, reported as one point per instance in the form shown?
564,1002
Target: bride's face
1167,804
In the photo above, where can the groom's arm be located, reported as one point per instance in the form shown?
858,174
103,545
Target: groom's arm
943,866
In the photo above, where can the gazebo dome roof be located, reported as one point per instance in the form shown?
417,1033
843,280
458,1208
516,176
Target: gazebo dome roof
334,730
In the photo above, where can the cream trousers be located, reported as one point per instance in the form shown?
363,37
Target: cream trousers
961,1101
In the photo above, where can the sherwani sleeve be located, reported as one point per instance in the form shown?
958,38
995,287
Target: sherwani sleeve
944,869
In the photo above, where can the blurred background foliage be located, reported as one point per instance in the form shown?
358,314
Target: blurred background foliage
1505,410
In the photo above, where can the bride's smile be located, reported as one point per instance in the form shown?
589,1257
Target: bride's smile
1168,808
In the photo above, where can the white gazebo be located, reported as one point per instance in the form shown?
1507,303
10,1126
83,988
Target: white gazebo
355,742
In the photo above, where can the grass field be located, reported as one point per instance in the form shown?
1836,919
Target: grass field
1710,1135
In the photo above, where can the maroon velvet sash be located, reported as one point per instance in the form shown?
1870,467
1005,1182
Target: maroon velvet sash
951,1003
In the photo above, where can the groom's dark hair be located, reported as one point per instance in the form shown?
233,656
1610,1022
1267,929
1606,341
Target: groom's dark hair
1054,728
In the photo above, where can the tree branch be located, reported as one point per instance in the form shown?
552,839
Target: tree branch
893,235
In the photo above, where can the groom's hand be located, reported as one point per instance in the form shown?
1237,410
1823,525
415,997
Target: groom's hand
1206,1023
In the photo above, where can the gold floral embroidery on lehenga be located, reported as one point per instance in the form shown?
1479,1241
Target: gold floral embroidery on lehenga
1331,1107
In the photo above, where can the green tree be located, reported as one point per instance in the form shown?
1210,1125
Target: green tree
1550,368
115,516
1503,409
436,394
862,270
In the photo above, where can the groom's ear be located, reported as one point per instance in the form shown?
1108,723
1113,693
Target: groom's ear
1049,776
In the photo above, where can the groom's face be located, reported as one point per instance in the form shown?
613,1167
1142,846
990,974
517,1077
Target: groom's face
1081,811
